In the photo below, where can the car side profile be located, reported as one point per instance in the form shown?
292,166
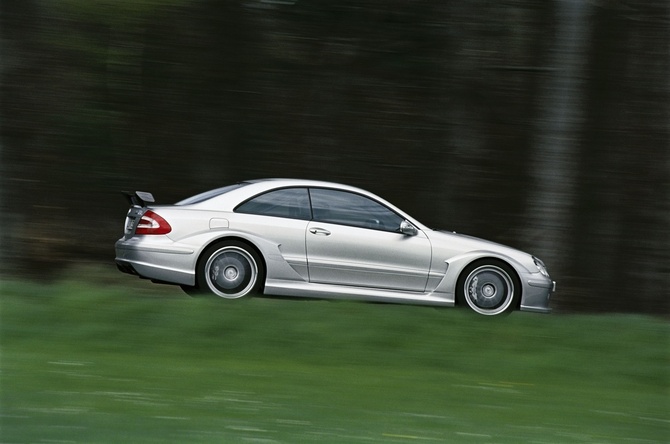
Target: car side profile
304,238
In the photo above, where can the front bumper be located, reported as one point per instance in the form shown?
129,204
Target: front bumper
537,294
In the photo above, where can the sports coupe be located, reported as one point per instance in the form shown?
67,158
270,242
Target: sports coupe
304,238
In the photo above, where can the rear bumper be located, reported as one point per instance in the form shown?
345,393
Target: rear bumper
156,261
126,267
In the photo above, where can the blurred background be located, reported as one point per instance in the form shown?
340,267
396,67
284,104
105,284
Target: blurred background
539,124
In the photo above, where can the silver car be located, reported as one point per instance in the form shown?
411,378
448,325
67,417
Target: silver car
305,238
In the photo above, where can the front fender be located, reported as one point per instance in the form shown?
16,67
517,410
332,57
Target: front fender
455,266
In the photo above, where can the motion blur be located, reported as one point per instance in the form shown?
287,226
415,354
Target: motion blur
541,125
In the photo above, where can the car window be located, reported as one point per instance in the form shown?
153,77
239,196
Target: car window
346,208
291,203
210,194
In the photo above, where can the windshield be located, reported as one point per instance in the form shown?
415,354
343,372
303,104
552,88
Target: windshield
210,194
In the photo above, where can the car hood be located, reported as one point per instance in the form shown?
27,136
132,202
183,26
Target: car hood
451,244
467,240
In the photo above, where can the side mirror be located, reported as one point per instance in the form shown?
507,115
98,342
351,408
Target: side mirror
408,229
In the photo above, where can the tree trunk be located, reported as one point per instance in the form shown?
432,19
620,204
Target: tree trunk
553,161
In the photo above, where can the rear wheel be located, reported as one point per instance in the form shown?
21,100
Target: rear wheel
489,287
228,269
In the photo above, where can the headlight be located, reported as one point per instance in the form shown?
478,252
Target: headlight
541,267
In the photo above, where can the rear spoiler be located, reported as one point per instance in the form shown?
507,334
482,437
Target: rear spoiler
139,198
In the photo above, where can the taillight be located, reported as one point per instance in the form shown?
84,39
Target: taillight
152,223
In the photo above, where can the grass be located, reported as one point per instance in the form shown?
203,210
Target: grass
101,358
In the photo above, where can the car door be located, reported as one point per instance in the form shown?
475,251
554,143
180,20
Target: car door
280,216
355,240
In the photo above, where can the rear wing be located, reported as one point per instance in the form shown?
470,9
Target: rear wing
139,198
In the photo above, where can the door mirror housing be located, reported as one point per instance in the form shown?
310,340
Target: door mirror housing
408,229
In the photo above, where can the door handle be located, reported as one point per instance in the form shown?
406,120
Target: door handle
319,231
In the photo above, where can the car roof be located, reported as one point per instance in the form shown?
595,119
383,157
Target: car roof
270,183
274,181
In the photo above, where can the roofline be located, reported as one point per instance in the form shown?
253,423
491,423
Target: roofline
307,183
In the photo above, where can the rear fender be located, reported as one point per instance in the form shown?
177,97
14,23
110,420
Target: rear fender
276,266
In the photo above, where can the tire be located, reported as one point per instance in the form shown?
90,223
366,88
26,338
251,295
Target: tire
489,287
229,269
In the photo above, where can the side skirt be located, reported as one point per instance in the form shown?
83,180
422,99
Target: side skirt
325,291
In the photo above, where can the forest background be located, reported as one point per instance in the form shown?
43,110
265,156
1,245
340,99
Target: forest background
539,124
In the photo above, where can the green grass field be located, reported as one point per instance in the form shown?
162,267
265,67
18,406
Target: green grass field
125,361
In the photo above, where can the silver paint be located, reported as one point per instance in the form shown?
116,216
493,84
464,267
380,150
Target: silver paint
304,258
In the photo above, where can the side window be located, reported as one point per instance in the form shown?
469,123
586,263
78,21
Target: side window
345,208
292,203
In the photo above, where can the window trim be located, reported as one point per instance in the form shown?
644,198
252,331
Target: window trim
402,217
291,187
311,206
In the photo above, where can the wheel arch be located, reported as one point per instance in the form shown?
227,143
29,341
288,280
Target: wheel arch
491,259
236,238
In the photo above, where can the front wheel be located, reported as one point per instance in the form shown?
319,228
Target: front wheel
230,269
489,287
